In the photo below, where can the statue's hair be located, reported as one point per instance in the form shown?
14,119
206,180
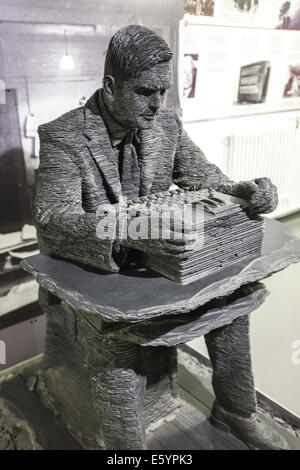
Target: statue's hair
134,49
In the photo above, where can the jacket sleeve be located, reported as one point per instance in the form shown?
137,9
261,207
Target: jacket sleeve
63,227
191,166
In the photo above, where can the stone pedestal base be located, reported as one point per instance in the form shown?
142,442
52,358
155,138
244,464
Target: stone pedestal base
107,390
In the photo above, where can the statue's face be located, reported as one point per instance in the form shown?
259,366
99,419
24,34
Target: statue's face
137,101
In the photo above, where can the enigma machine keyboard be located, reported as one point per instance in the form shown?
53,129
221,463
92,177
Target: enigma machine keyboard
214,230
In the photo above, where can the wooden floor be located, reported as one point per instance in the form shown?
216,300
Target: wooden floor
190,430
187,429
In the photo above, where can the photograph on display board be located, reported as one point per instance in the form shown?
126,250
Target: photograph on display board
253,82
292,87
199,7
248,7
289,15
190,63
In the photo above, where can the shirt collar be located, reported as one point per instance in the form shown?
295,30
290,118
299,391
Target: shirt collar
115,130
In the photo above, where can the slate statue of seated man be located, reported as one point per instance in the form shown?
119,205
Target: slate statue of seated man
123,142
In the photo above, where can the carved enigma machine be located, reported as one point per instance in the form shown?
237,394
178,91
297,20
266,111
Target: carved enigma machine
214,228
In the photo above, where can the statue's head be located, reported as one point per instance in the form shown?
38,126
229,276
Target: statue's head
138,71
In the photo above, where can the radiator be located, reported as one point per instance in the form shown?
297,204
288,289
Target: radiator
264,152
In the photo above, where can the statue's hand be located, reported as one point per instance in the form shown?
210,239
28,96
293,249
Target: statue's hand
260,193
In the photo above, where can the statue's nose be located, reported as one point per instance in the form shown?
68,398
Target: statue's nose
155,102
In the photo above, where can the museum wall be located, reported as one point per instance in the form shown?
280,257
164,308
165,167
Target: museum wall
243,105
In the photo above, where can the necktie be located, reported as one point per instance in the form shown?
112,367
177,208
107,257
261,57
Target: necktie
130,170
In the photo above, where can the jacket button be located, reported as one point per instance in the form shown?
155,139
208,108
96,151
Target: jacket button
102,258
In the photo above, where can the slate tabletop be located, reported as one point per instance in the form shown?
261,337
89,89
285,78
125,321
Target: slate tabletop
139,294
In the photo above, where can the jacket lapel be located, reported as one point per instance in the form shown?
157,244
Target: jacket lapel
100,146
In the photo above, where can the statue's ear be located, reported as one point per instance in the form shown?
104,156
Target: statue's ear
109,84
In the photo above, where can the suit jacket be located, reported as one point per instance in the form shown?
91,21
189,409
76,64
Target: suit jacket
78,172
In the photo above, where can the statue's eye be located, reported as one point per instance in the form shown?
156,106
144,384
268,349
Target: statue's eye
145,91
162,91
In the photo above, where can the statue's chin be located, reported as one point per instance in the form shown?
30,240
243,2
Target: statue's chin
145,122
